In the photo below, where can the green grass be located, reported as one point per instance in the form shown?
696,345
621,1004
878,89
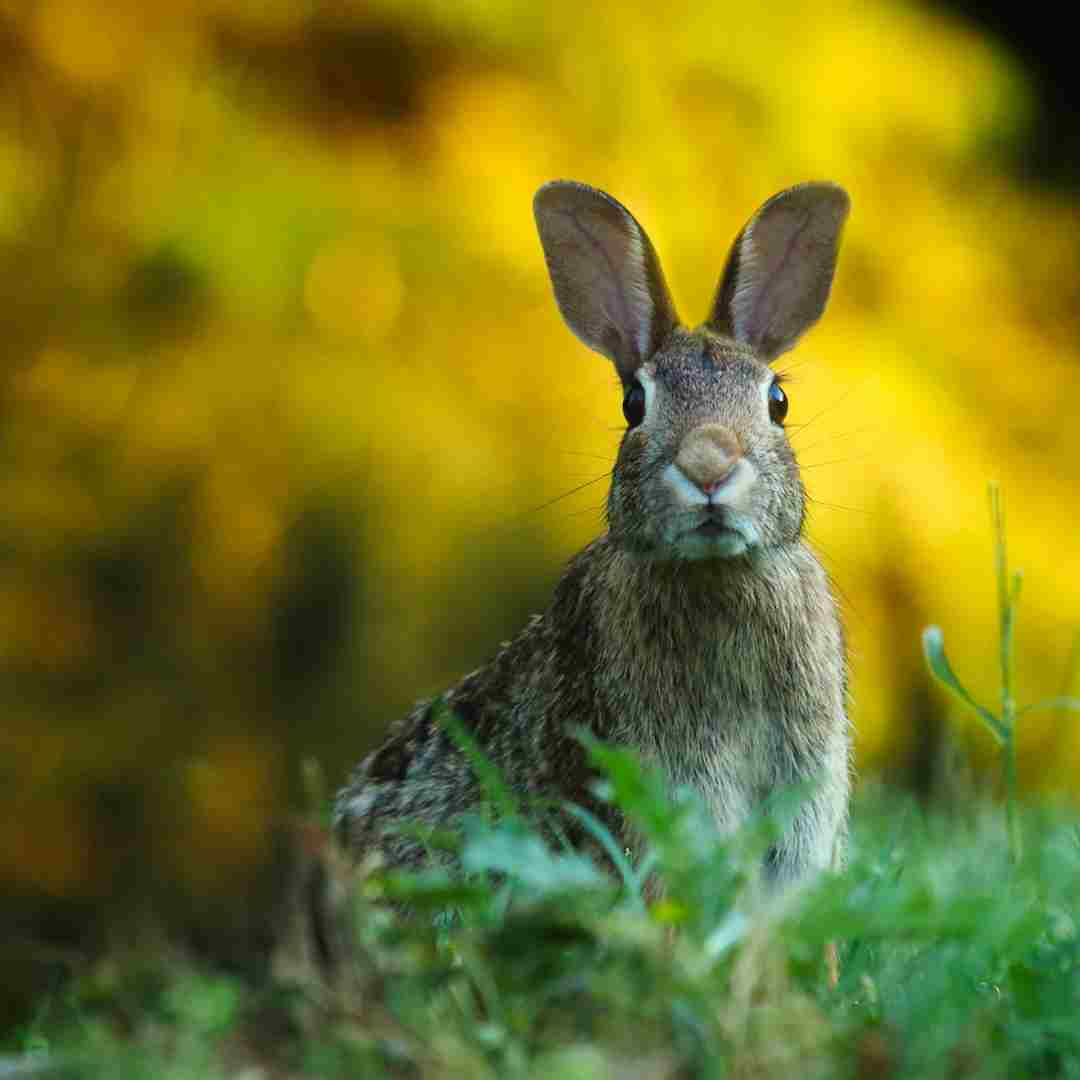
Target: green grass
955,961
957,932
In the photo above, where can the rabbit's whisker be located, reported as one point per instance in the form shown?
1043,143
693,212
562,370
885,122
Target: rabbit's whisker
829,438
833,404
837,461
567,494
838,506
581,453
830,560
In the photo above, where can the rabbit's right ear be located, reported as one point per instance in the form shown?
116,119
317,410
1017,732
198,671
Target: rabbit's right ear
607,278
780,269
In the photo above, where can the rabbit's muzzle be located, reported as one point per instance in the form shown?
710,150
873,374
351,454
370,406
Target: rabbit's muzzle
709,486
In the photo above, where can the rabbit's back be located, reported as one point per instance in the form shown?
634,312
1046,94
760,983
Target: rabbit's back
522,709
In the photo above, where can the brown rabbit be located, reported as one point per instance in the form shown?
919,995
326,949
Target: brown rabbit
700,630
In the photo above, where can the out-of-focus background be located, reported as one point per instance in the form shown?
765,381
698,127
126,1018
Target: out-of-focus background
287,412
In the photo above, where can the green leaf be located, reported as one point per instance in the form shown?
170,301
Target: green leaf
639,790
934,650
602,835
513,849
429,889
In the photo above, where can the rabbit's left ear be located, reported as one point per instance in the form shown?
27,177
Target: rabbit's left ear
780,270
607,278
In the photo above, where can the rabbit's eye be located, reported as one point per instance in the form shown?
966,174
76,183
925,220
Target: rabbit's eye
777,403
633,404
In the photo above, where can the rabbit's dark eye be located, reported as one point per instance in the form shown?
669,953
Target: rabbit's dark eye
633,404
777,403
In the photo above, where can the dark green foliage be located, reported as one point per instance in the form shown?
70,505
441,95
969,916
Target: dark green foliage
953,961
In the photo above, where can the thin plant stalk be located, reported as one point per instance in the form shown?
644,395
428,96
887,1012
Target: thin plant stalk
1008,594
1002,724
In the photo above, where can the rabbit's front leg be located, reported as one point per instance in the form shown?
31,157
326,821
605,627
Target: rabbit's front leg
811,842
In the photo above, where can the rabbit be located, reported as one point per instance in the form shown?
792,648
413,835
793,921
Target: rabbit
701,630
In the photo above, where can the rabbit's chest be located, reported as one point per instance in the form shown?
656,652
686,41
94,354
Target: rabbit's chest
722,735
732,685
721,718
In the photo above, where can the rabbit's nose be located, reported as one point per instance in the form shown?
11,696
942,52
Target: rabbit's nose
708,456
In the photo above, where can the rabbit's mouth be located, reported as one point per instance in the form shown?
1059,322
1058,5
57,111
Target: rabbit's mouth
719,535
713,526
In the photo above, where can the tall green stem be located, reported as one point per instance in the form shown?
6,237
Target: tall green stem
1008,594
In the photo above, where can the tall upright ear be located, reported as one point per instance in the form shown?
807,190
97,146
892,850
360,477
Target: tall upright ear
780,269
607,279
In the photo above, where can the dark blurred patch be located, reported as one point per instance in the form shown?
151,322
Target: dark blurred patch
340,71
289,914
918,768
166,294
13,49
120,585
41,946
915,756
45,938
1049,150
140,578
314,608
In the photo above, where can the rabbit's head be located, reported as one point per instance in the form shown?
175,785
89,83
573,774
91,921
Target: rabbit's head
705,469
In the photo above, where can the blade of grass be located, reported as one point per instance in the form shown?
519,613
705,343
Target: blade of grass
1008,595
997,521
602,835
934,651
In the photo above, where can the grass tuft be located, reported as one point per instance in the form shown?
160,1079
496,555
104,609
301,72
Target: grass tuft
954,960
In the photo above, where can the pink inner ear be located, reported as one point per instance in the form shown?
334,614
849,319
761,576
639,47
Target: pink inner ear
606,266
613,267
777,265
607,282
784,267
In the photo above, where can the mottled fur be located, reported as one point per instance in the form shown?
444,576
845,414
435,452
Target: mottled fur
701,633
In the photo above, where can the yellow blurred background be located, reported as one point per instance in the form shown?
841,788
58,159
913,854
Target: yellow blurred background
288,409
